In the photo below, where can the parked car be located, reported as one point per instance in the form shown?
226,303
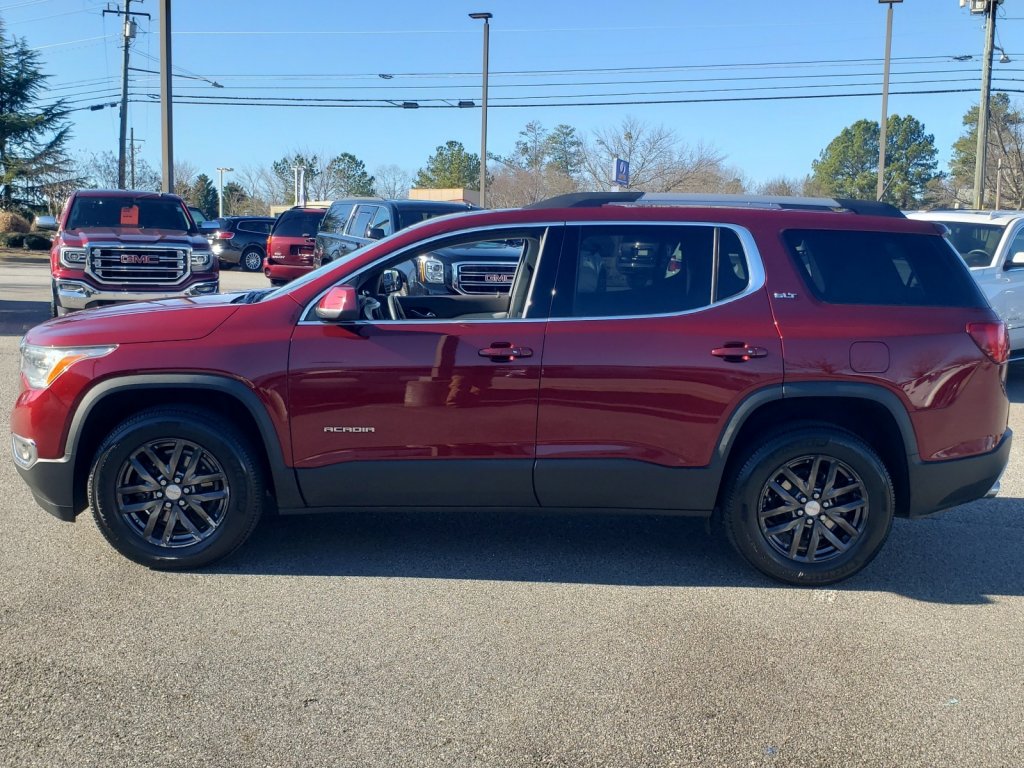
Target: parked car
992,245
798,370
119,245
290,244
239,240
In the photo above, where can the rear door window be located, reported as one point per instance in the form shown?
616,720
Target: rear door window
644,269
882,268
337,217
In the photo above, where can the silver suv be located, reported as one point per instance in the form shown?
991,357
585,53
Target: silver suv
992,244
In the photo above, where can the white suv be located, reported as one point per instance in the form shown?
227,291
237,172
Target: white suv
992,244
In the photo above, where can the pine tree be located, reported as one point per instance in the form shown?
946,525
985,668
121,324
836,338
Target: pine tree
32,136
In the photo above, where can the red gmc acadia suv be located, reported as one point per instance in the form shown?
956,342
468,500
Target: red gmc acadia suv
801,370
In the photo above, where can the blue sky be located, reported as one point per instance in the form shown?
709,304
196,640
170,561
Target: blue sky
541,53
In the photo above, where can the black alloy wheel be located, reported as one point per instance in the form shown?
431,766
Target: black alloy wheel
810,506
176,488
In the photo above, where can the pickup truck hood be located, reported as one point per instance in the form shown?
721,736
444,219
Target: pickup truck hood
169,237
140,321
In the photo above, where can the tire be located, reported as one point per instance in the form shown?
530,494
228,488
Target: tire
251,260
140,477
775,521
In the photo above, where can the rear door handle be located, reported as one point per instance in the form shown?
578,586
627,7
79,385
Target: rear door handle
738,352
505,352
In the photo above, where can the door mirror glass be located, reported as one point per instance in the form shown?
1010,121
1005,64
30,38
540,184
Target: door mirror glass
339,303
376,233
392,281
1017,260
46,223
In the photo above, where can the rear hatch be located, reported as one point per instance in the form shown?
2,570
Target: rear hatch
293,236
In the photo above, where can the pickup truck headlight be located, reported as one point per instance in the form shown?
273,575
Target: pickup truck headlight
74,258
431,270
201,259
42,365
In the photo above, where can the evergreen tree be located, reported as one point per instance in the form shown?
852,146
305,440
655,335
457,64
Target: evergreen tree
32,137
848,166
451,166
203,195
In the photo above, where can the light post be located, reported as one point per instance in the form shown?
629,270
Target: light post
220,192
883,127
483,112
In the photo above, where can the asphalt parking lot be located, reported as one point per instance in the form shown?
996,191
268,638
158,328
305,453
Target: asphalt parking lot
439,639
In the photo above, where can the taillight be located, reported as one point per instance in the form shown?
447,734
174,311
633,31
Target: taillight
223,235
992,339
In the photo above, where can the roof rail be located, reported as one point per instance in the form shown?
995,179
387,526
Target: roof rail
598,199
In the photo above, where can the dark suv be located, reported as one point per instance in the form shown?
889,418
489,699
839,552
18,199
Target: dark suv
239,240
798,370
487,268
290,245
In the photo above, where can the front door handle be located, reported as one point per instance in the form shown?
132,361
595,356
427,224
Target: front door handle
505,352
738,352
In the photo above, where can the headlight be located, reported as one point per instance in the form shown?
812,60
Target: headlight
73,257
431,270
201,259
42,365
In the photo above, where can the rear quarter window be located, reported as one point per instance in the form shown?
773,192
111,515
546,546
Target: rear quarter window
882,268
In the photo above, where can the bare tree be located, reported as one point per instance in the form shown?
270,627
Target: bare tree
392,182
781,185
185,174
659,161
512,187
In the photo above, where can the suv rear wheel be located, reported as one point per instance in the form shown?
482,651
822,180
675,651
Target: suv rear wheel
252,260
810,506
176,488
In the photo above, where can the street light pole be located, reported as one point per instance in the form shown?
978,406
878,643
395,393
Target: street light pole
220,192
483,118
981,154
166,107
884,125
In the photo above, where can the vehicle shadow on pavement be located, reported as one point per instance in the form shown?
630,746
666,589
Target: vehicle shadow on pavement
960,557
16,317
1015,382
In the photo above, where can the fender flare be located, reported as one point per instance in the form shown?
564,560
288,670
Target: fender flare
285,484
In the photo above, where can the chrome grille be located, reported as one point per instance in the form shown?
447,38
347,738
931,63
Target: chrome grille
139,265
484,278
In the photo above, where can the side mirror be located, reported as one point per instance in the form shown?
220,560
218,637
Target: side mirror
391,281
46,223
376,233
339,303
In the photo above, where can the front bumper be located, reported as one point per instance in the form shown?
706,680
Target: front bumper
76,294
52,486
938,485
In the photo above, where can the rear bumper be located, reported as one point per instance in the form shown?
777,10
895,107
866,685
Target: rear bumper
76,294
938,485
283,271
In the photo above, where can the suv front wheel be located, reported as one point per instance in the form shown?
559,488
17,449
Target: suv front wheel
810,506
176,488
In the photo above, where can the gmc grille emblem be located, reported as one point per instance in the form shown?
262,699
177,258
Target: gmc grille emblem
497,278
137,258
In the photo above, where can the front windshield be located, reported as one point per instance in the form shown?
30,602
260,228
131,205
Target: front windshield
976,242
117,212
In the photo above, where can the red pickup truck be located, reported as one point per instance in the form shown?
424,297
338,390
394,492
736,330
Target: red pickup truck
119,245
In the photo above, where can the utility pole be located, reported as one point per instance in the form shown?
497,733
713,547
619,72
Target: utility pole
129,35
302,185
166,112
132,142
988,7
